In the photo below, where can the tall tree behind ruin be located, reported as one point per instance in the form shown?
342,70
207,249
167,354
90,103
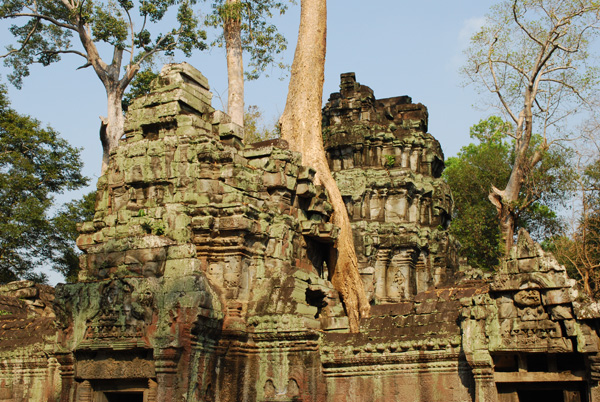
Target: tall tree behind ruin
48,27
531,56
301,127
547,189
246,27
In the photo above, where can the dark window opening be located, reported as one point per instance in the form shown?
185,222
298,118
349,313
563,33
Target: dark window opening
537,362
316,298
506,363
124,396
569,362
316,253
541,395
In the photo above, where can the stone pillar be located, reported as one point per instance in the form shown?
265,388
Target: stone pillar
152,391
414,160
594,361
423,272
485,387
67,376
381,267
84,392
405,163
165,363
414,209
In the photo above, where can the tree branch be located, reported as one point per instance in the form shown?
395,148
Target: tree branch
24,42
44,17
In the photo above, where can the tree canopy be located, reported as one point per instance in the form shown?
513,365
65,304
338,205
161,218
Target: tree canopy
46,29
531,57
65,254
259,37
489,162
35,165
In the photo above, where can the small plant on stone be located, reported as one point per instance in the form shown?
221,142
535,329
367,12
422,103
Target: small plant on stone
147,227
141,213
390,161
159,229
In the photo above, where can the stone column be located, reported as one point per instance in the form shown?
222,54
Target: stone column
165,363
381,267
152,391
485,387
84,392
414,209
414,160
594,361
405,162
67,376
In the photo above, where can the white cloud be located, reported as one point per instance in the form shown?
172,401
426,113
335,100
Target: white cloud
468,29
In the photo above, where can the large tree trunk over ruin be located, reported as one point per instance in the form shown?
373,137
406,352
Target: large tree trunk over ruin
506,200
111,128
235,66
301,127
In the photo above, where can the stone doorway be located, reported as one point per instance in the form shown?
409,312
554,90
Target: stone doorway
543,391
121,397
122,391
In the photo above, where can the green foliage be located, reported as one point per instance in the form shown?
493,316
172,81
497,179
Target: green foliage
47,28
259,37
139,86
65,256
254,128
390,161
477,167
35,164
156,227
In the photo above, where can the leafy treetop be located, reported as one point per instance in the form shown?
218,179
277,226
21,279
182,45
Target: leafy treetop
35,164
260,38
48,27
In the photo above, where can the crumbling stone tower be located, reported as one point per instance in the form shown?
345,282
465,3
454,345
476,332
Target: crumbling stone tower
202,254
389,171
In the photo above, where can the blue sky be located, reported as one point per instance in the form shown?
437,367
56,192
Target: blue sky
396,47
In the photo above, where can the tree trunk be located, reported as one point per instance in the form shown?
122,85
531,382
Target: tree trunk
505,201
301,127
111,128
235,66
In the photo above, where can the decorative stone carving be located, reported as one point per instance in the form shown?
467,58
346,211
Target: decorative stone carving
204,274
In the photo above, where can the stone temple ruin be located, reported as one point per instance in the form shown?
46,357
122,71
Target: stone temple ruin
203,275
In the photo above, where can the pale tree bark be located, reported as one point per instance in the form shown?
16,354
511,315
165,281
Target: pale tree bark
235,67
111,126
301,127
